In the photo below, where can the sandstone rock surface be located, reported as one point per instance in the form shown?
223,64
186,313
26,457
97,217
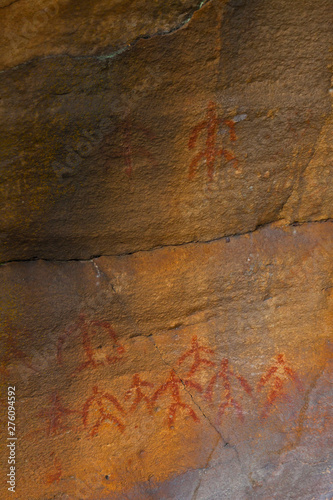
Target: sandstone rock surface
215,129
44,28
166,247
213,384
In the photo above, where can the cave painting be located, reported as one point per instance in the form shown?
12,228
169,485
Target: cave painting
211,125
131,146
136,392
103,401
226,373
275,378
198,361
56,416
55,474
173,386
87,330
224,387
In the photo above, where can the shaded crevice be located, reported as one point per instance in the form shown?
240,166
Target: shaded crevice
174,245
206,467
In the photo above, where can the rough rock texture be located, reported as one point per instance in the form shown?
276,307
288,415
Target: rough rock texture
212,130
179,384
51,27
166,247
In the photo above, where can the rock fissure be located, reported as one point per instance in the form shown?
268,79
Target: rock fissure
8,4
196,491
194,242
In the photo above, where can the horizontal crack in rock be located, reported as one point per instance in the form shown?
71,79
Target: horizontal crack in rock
175,245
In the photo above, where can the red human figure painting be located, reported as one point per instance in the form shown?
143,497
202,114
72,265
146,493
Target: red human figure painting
139,396
56,415
276,377
119,349
211,152
56,473
130,148
131,145
88,330
226,373
198,362
173,385
103,401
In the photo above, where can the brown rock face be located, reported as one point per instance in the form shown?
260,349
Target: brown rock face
51,27
166,248
212,130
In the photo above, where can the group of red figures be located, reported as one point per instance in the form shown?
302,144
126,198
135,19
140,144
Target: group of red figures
184,379
209,128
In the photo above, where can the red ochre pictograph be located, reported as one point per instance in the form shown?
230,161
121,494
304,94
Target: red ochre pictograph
198,361
102,400
226,373
88,330
173,385
102,407
56,473
131,146
57,415
276,377
139,396
211,152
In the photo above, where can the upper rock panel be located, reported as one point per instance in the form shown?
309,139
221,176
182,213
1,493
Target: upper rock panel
213,130
39,28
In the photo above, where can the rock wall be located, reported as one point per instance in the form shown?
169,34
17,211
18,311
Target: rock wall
166,248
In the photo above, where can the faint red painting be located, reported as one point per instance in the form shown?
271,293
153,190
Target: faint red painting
107,405
198,361
226,374
56,415
212,151
133,139
173,385
275,379
136,393
55,474
87,330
